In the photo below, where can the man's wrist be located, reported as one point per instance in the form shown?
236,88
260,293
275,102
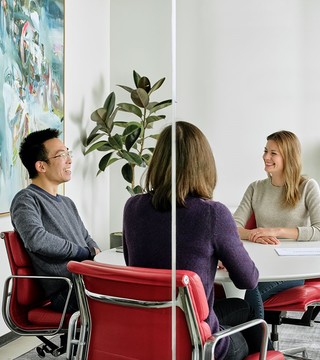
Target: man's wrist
92,251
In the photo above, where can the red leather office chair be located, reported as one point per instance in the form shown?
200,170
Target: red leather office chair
304,298
25,310
126,313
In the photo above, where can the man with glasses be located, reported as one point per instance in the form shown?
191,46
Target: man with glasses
48,223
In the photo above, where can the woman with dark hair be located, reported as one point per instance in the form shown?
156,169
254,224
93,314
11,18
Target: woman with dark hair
286,205
205,232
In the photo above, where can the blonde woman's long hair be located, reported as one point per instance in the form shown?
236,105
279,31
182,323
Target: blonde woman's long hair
196,170
290,150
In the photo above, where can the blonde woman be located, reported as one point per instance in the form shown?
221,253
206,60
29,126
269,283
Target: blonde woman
286,205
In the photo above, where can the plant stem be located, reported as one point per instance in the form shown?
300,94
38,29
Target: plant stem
144,127
133,176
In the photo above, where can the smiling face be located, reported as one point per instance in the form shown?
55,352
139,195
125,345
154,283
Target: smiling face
57,168
272,158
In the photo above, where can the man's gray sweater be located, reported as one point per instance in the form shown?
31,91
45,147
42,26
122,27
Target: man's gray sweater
52,232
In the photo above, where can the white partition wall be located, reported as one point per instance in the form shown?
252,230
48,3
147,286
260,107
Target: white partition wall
244,69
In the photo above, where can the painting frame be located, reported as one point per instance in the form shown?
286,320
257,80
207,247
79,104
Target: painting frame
32,37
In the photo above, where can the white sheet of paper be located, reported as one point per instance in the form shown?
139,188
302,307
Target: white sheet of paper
298,251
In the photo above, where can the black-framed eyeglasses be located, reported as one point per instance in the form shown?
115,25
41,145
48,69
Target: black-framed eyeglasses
63,155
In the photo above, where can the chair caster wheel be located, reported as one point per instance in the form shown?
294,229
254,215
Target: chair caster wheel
57,352
41,353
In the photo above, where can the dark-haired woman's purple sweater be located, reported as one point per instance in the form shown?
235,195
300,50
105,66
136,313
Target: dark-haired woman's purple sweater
206,233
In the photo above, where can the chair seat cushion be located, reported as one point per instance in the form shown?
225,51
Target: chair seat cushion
271,355
313,282
294,299
46,317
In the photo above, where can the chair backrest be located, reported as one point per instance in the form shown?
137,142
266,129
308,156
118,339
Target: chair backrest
29,291
251,223
129,311
25,293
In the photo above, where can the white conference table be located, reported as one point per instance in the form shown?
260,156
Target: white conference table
302,261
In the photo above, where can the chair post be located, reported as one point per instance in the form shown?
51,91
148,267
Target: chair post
72,342
187,307
85,319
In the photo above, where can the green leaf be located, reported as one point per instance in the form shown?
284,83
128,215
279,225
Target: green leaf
127,173
127,88
140,97
130,108
131,127
94,131
132,158
161,105
100,145
132,137
156,85
154,136
136,78
144,83
110,121
121,124
137,190
112,160
103,163
153,118
116,142
99,115
151,149
146,158
93,136
109,104
131,192
105,147
152,104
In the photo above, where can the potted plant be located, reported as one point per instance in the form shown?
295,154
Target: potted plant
130,140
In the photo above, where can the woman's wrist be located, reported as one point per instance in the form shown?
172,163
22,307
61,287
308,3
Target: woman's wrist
251,234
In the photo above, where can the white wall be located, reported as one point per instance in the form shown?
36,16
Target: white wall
87,77
244,69
250,68
86,83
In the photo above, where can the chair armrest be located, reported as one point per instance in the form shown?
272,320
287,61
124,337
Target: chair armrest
211,343
7,292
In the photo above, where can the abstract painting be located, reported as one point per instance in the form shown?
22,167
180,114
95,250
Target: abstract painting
31,82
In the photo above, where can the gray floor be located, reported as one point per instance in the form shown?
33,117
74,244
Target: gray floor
295,336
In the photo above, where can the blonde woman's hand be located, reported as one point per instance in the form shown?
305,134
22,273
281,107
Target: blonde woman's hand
263,236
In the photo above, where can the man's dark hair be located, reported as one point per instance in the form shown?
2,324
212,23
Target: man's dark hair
33,150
